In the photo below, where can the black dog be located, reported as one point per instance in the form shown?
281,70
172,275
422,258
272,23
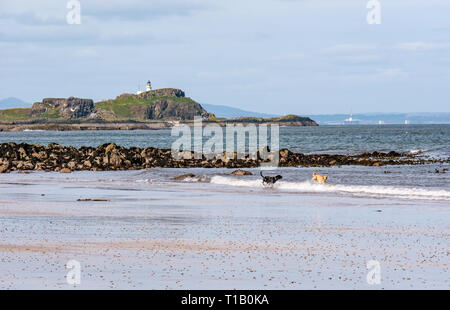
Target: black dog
270,181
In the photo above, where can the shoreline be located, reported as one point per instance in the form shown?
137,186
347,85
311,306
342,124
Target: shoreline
155,125
109,156
83,126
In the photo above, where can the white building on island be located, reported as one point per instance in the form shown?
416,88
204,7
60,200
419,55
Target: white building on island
147,88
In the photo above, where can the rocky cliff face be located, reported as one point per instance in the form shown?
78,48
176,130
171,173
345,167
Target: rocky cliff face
70,108
168,109
163,92
160,104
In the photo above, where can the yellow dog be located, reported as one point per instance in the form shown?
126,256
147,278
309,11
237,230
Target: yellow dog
318,178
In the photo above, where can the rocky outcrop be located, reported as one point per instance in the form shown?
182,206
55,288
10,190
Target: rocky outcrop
163,92
241,172
287,120
183,177
54,157
70,108
160,104
169,109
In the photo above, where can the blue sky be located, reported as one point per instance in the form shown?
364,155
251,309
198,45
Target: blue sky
274,56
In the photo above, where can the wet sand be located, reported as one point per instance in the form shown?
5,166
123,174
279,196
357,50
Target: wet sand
153,234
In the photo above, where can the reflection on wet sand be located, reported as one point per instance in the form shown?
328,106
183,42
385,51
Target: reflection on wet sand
174,235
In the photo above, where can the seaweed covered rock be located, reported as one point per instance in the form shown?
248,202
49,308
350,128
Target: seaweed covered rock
109,156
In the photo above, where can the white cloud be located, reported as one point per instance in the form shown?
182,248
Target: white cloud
391,73
421,46
415,46
236,73
288,57
351,48
86,53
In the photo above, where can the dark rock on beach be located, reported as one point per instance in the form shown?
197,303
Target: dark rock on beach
184,176
241,172
66,159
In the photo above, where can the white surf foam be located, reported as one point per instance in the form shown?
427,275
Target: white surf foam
418,151
142,181
358,190
202,178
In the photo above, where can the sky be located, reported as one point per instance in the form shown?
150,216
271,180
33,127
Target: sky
272,56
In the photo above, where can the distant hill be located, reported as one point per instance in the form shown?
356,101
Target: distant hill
384,118
230,112
12,102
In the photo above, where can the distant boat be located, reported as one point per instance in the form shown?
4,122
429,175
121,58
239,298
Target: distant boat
351,121
407,122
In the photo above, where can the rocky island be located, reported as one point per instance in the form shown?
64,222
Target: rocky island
152,109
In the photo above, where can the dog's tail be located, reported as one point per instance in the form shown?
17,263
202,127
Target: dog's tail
261,173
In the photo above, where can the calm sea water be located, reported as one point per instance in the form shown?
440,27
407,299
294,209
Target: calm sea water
432,140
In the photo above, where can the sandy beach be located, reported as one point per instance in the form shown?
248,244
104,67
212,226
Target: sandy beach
148,232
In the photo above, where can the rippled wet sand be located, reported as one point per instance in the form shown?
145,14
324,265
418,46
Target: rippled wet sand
155,234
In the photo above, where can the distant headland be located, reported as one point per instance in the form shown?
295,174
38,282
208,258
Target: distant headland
150,109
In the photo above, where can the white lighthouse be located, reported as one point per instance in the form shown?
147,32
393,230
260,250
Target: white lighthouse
147,88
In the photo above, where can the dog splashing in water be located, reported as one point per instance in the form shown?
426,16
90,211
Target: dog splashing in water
270,181
319,178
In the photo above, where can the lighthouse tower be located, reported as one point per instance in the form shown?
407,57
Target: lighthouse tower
149,86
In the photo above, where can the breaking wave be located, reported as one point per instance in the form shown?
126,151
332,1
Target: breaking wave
357,190
418,151
202,178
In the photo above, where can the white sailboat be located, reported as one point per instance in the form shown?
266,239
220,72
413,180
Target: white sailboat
351,121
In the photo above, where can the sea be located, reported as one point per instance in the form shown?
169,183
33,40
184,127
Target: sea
142,229
336,139
418,181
